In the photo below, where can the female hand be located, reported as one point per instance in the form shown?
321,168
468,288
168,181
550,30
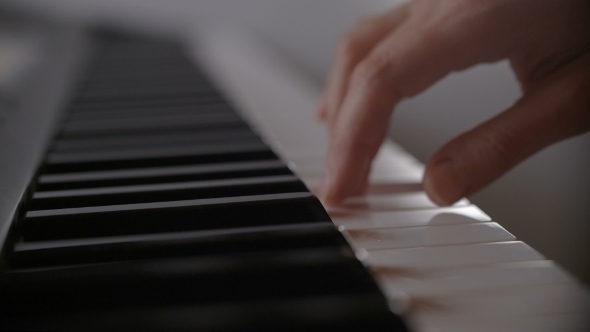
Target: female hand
401,53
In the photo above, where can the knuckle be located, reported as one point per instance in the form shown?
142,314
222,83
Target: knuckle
352,43
349,46
371,71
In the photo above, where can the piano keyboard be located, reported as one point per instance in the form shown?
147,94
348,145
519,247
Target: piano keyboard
158,208
445,269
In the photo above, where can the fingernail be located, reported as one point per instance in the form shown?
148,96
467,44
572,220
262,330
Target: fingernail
443,185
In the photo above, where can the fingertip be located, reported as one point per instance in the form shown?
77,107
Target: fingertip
326,193
333,191
442,183
322,189
432,192
331,200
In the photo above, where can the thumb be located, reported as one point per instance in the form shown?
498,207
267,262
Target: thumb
550,111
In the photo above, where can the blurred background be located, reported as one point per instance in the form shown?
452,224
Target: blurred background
544,201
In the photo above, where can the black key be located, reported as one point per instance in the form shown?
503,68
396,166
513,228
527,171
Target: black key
151,82
148,112
109,126
293,280
78,107
177,216
159,162
166,192
161,175
178,244
142,92
189,155
280,274
158,137
156,152
342,313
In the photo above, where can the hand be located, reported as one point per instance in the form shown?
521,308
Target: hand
399,54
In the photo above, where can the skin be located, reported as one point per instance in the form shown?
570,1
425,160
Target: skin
398,54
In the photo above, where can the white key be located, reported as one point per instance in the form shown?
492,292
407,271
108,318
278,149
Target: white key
312,184
391,202
571,322
293,149
386,183
509,301
439,283
307,160
416,259
309,164
391,238
402,174
391,154
441,216
390,165
396,179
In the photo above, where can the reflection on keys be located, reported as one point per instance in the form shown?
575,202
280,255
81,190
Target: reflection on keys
429,217
447,269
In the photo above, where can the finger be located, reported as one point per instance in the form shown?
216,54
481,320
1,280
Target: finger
402,65
322,111
553,110
352,48
355,143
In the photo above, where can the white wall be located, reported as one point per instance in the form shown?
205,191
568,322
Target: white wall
545,201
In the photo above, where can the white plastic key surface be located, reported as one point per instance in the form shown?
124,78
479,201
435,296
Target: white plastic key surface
446,299
310,163
441,216
438,283
412,259
391,164
391,238
570,322
387,202
549,299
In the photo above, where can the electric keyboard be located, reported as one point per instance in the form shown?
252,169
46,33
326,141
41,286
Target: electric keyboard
157,206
